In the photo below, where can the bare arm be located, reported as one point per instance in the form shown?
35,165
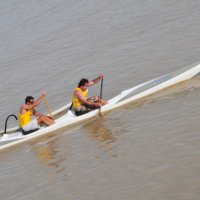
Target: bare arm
96,80
33,105
79,95
36,113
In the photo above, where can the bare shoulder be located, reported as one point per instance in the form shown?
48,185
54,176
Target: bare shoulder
77,93
23,108
80,96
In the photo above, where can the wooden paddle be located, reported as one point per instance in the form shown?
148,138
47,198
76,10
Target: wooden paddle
48,107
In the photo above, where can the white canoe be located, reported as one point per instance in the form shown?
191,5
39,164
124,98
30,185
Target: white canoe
125,97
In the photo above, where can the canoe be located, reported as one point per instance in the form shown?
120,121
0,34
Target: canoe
14,136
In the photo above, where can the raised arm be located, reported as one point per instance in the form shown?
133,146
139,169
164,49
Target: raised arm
96,80
32,105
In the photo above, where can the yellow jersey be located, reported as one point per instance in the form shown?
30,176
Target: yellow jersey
76,101
25,118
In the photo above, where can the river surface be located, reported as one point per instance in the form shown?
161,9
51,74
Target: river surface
144,151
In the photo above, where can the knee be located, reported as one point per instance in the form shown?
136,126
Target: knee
41,118
96,98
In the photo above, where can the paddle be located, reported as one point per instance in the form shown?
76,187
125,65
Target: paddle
100,96
48,107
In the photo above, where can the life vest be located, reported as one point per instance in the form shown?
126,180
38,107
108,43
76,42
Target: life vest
76,101
25,118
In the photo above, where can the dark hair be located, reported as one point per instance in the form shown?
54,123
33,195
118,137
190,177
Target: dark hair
28,98
82,82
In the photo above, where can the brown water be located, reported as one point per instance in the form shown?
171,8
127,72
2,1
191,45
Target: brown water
148,150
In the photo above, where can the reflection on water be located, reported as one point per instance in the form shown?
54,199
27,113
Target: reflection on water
50,157
46,153
98,130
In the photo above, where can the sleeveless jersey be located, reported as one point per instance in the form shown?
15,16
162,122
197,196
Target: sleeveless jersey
77,102
25,118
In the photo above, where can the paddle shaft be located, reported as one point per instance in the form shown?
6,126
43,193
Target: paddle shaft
101,91
100,97
48,107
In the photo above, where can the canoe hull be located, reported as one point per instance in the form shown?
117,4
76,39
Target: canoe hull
128,96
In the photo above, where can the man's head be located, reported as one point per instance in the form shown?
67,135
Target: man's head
29,100
83,84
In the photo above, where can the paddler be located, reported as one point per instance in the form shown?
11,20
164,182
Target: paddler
27,123
81,104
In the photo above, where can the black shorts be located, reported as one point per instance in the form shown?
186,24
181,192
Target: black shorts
81,112
87,109
28,132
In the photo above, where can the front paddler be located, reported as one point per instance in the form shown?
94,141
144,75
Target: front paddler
81,103
27,122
